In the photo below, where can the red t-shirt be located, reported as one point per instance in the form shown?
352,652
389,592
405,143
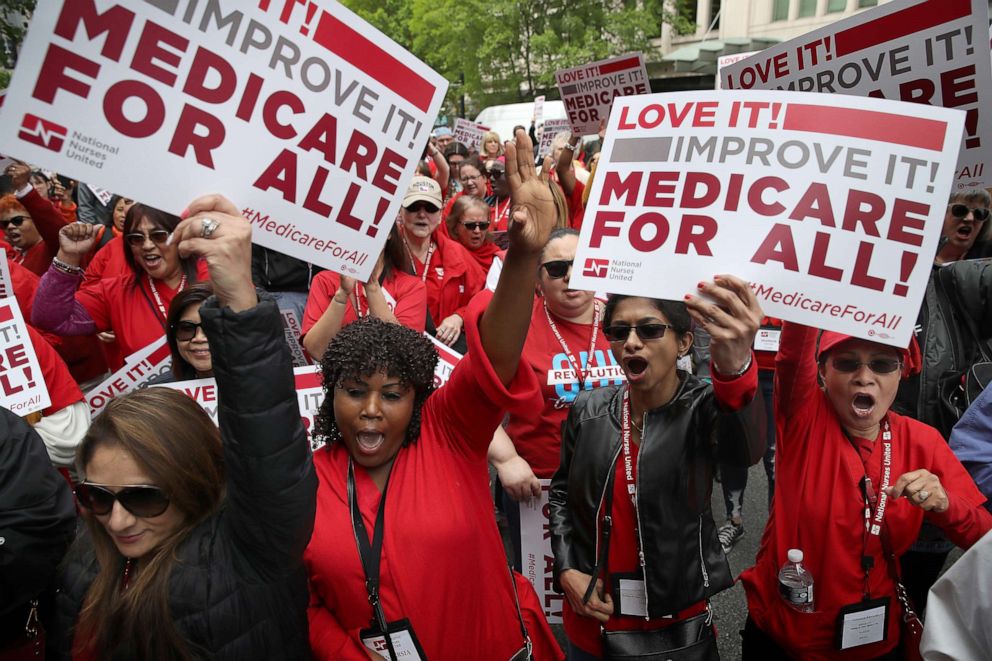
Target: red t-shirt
537,436
819,508
499,214
443,566
62,389
408,294
108,262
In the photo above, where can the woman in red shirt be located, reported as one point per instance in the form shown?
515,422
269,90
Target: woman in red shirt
390,294
133,305
851,477
468,223
451,276
404,514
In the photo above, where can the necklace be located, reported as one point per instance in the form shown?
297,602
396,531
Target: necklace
427,262
158,299
127,575
638,427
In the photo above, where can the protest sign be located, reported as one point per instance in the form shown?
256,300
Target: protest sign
536,558
725,61
309,393
588,91
139,368
292,330
6,284
447,359
550,129
830,205
923,51
22,384
306,116
469,133
538,110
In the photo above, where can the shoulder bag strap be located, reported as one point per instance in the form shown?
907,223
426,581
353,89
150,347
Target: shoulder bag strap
604,547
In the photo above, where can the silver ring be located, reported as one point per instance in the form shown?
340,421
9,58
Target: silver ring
923,494
207,227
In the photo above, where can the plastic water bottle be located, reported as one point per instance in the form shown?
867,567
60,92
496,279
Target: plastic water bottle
795,584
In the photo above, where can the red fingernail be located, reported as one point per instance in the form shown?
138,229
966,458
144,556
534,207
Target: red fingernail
688,296
184,213
700,285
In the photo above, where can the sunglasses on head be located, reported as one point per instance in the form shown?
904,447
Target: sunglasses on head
495,173
426,206
185,330
557,268
16,221
471,227
137,239
620,332
876,365
961,211
139,500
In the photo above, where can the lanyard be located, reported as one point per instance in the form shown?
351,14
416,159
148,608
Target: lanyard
576,364
628,470
358,301
158,299
498,215
370,554
427,262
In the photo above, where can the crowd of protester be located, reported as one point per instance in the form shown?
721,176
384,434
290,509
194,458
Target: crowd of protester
192,540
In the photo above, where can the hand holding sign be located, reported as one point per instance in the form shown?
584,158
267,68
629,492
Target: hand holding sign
76,240
731,316
533,215
215,231
20,175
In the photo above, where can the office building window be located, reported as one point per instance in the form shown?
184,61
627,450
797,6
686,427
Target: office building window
780,10
867,3
807,8
836,5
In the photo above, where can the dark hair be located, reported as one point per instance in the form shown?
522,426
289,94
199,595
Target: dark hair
558,233
371,345
476,162
159,220
675,311
455,149
174,441
193,295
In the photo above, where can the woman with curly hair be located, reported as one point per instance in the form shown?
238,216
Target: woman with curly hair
404,538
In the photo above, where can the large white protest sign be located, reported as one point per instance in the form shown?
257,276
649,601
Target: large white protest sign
588,91
469,133
304,115
549,130
139,368
536,558
447,359
924,51
6,284
725,61
22,384
830,205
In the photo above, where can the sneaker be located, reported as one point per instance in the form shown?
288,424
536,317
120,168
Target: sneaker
729,534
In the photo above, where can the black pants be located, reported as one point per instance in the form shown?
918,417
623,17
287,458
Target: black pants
919,572
756,645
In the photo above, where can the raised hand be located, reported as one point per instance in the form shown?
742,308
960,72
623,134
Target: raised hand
732,316
533,215
75,241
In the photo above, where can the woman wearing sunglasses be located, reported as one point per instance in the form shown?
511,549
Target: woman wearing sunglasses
194,535
853,483
30,222
134,305
468,223
186,336
635,546
404,538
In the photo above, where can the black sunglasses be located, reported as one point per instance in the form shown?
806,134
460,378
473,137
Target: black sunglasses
557,268
16,221
961,211
185,330
620,332
417,206
137,239
878,365
471,227
494,173
140,500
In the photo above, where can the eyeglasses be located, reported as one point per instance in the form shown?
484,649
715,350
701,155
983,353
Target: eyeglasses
417,206
471,227
185,330
140,500
877,365
495,173
16,221
557,268
137,239
470,177
981,214
620,332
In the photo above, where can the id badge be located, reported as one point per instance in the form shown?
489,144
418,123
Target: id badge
628,594
404,640
863,623
767,339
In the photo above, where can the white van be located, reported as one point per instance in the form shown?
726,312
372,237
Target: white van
503,118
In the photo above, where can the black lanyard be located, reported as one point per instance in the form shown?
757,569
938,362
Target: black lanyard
370,554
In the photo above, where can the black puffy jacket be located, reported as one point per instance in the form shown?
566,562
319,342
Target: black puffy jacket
239,587
681,443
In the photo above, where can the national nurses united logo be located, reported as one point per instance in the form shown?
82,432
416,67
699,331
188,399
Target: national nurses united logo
42,132
596,268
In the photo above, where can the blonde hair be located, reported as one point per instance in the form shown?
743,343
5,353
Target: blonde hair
492,135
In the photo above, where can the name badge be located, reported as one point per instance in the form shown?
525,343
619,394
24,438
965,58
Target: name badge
767,339
404,641
628,595
863,623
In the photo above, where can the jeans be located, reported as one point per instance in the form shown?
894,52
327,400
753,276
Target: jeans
734,478
577,654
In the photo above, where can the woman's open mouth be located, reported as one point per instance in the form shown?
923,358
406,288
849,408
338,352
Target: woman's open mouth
965,230
369,441
635,367
152,261
863,404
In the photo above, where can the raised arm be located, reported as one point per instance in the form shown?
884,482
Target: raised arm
564,167
271,483
504,325
795,368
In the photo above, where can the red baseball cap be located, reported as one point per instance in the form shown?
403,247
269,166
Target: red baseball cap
910,356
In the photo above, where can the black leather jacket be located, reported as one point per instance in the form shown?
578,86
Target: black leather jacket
681,443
